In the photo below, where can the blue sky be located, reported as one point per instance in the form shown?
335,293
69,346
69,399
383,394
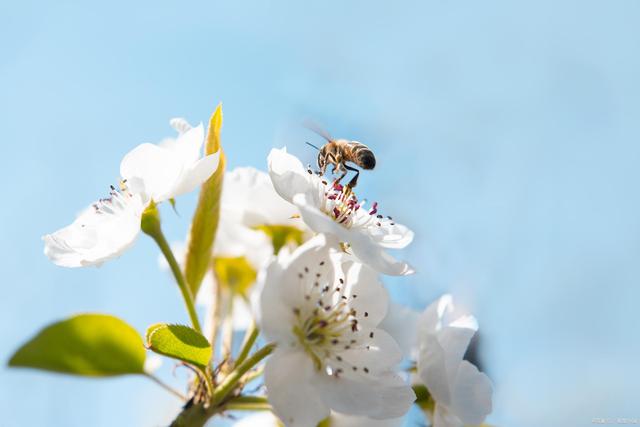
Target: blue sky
507,137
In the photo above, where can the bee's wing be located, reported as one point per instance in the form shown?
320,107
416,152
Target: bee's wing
316,128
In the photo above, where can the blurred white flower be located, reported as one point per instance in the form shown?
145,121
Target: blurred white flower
461,393
171,168
249,197
267,419
323,309
240,252
330,209
101,232
253,220
152,363
239,256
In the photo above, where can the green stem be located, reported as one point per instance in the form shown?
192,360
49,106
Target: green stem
248,403
249,399
198,415
215,313
248,406
229,383
150,224
250,337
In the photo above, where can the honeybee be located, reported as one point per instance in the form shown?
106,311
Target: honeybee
338,152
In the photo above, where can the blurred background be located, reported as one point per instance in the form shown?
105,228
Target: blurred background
506,135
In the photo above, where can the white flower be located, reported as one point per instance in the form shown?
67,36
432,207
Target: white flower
101,232
462,394
322,309
152,363
333,210
150,172
171,168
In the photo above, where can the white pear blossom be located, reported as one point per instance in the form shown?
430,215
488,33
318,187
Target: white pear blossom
149,172
101,232
333,209
461,393
171,168
322,309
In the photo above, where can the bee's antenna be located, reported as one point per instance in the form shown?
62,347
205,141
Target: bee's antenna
308,143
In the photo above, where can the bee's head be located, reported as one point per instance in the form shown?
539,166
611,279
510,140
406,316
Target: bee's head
367,159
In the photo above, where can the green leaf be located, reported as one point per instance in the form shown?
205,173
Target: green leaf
282,235
236,273
86,344
207,214
179,342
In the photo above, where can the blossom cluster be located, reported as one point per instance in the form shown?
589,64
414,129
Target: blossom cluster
302,257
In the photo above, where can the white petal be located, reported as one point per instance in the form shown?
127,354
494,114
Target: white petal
287,174
432,369
289,378
154,167
381,356
236,240
372,298
249,195
194,176
317,220
342,420
373,399
444,418
274,315
95,237
472,392
395,236
431,319
401,323
187,148
455,342
370,253
180,125
307,260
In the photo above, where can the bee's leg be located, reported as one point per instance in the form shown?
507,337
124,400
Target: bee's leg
354,180
337,181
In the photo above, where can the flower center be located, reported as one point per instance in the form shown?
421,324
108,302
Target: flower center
235,273
282,235
117,200
326,323
341,204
